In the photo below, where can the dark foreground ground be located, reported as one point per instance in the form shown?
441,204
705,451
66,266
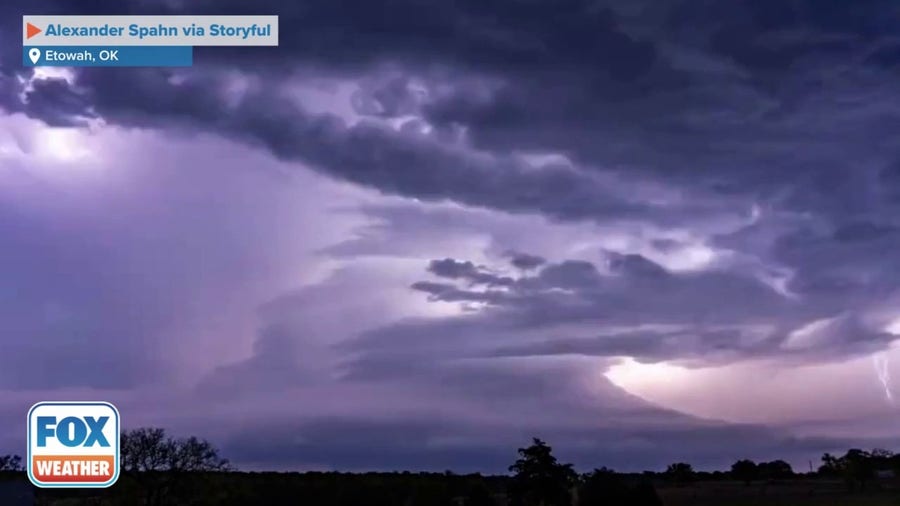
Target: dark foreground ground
414,489
803,492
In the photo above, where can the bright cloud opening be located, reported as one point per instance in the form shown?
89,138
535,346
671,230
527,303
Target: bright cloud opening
637,376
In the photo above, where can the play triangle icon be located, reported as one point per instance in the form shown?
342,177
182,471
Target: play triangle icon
31,30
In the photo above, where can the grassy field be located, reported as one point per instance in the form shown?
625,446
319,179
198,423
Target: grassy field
801,493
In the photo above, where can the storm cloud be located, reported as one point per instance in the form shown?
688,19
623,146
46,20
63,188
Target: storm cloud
414,225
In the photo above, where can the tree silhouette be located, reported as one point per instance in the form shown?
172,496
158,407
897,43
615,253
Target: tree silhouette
880,453
680,473
145,450
161,470
775,470
857,467
831,465
158,463
603,487
150,449
540,480
885,460
10,463
744,470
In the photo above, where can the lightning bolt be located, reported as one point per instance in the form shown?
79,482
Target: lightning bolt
880,361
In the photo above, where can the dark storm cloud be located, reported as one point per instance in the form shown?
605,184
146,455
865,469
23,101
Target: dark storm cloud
506,34
609,99
368,154
524,260
54,101
467,271
438,444
713,317
530,388
840,341
648,345
350,444
747,31
689,123
586,419
863,231
729,122
449,293
839,263
684,117
491,180
636,288
889,181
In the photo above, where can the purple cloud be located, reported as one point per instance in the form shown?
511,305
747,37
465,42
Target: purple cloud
417,240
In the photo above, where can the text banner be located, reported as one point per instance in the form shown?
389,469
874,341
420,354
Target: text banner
150,30
107,56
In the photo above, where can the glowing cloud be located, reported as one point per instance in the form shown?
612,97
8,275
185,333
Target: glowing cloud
637,376
893,327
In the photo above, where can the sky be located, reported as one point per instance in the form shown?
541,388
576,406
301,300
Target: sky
418,233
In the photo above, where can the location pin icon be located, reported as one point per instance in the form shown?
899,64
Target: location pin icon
35,54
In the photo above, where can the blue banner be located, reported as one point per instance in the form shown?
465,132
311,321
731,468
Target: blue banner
107,56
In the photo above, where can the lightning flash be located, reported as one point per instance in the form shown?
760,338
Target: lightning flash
880,361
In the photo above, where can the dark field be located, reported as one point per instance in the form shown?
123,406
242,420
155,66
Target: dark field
537,478
414,489
812,492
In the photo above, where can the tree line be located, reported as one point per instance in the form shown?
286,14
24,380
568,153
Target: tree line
159,470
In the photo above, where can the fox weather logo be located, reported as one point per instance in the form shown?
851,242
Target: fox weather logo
73,444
